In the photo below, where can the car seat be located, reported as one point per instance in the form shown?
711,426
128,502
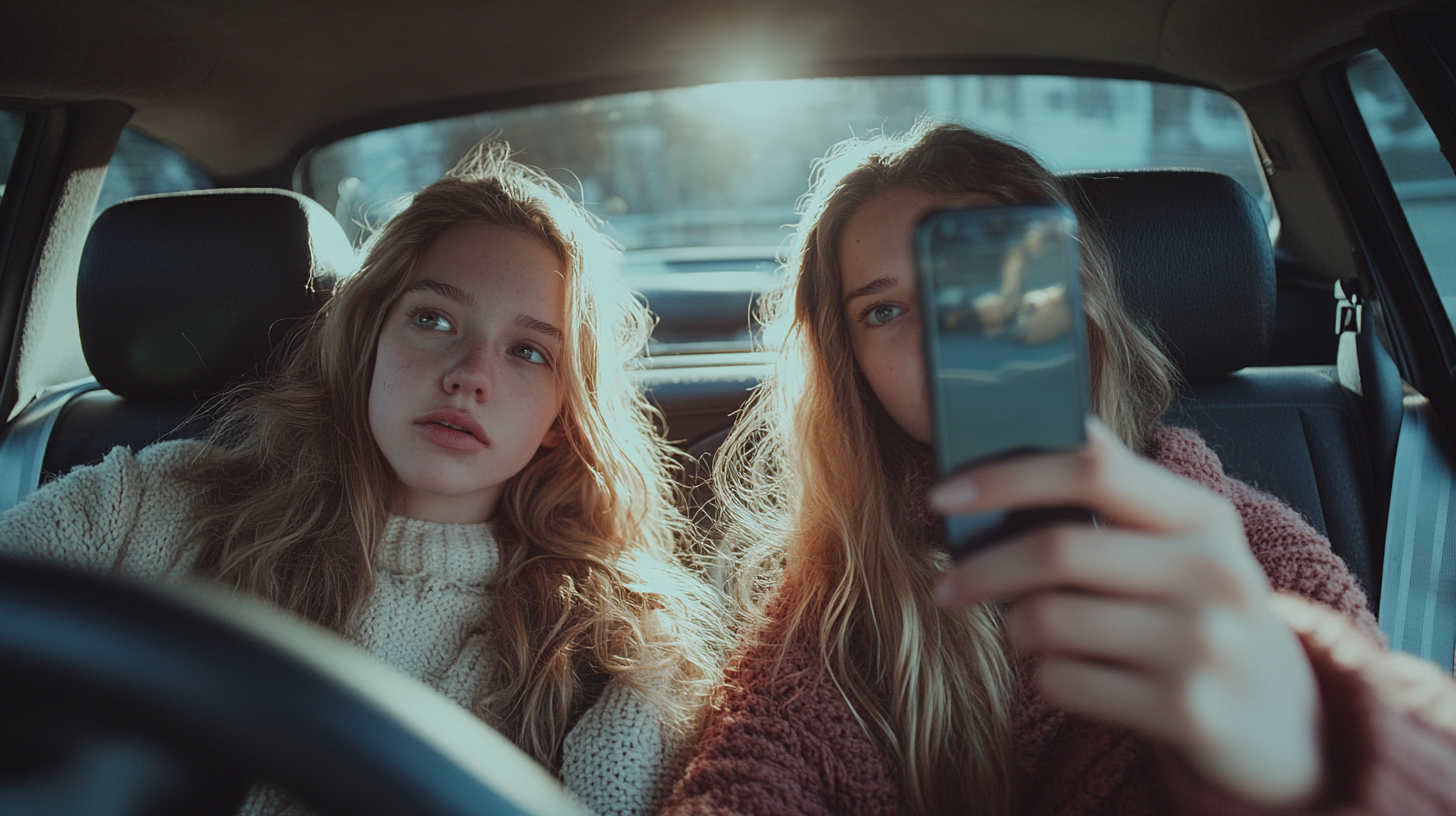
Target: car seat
1195,264
179,298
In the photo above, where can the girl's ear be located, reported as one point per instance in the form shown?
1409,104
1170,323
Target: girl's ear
553,435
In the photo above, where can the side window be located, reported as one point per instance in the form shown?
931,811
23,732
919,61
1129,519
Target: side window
1422,177
11,125
142,165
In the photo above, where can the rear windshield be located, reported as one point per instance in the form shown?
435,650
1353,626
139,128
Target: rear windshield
699,184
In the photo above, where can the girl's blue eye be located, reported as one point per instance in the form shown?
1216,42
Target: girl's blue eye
432,321
882,313
531,354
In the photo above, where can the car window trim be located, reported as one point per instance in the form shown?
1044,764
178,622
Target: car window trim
1427,70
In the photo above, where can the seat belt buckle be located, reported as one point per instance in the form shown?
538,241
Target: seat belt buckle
1349,311
1349,307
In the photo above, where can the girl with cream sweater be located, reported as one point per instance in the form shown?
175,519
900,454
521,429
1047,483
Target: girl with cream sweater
453,470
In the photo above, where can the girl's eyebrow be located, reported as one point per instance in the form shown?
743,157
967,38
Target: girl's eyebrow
876,285
531,323
454,293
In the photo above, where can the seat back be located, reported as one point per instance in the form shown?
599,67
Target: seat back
179,298
1195,265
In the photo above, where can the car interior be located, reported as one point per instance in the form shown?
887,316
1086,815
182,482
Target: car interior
1306,314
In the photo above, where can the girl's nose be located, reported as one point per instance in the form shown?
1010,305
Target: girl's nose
473,373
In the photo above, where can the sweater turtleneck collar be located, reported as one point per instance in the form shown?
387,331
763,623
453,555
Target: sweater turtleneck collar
467,553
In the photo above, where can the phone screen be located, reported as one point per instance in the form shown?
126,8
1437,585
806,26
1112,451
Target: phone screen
1005,345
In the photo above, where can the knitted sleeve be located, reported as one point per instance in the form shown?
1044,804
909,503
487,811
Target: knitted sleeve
620,758
125,514
782,740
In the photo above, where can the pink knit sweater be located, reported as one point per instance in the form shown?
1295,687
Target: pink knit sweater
784,741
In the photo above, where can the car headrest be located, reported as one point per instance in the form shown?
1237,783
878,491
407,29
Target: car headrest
182,295
1193,261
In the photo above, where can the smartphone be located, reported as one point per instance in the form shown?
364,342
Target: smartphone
1005,348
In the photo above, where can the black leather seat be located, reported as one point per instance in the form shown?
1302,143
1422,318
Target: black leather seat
179,297
1194,263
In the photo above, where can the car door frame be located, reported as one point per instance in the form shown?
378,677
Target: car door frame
58,141
1385,251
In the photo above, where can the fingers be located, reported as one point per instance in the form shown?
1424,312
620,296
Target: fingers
1156,620
1144,637
1187,569
1124,488
1253,732
1164,537
1109,694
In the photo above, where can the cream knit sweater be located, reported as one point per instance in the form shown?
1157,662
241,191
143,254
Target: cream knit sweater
433,597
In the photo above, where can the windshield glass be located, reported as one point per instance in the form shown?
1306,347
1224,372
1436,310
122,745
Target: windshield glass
699,184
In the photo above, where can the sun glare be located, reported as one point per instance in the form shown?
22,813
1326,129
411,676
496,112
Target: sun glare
747,104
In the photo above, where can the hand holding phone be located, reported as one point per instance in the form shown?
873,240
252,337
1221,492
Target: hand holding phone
1005,347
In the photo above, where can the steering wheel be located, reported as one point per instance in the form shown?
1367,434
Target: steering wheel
120,698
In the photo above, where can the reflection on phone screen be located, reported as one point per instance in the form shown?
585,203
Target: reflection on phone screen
1004,339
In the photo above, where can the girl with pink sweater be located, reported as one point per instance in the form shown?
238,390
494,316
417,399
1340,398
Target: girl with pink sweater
1200,651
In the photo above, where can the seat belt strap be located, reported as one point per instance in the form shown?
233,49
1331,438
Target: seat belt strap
1418,573
23,447
1418,582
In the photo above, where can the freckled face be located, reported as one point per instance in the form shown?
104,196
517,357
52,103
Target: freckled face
464,390
881,300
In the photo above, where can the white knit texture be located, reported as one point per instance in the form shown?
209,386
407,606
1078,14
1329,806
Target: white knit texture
617,752
431,605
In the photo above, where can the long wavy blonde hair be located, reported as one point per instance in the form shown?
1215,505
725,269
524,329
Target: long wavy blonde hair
822,493
296,494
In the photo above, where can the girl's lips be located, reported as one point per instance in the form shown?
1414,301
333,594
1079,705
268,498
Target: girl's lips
449,437
452,429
